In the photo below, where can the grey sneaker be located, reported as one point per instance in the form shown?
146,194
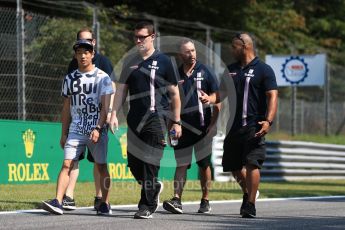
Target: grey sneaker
68,203
204,206
174,205
143,214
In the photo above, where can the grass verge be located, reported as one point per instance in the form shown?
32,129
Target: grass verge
21,197
331,139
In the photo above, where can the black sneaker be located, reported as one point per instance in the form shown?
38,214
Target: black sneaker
143,214
97,203
244,201
161,186
104,209
52,206
68,203
204,206
249,210
174,205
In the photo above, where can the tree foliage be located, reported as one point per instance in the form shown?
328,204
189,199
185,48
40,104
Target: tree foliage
280,27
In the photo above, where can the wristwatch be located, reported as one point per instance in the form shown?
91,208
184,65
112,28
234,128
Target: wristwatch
177,122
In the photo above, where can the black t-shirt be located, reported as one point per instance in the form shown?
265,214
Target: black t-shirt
260,78
137,74
99,61
190,100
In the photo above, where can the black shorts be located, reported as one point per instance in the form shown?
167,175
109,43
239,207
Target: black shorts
89,156
242,148
201,144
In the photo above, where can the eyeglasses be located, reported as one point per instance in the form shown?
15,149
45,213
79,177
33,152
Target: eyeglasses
238,36
141,38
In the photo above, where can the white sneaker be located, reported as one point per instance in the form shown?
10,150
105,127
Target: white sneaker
157,196
257,195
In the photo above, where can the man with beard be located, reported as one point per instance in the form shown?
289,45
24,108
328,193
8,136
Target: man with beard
256,102
198,126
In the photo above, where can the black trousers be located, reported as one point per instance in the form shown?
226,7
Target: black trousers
146,175
145,150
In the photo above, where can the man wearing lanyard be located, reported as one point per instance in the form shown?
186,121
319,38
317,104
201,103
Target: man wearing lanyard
256,107
198,126
148,77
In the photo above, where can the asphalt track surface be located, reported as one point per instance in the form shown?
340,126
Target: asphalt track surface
296,213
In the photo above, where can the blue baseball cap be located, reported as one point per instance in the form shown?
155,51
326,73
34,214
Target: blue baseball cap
84,44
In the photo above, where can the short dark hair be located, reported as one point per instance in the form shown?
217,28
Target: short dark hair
85,29
185,40
145,25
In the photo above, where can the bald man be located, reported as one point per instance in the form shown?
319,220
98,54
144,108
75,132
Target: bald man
256,107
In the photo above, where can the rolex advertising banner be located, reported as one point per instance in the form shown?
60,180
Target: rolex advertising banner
302,70
30,152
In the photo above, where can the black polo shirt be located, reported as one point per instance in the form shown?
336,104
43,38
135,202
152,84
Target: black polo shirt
189,96
260,79
136,74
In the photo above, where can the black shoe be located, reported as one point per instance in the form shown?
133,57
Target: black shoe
97,203
244,201
68,203
204,206
143,214
249,210
159,191
52,206
174,205
104,209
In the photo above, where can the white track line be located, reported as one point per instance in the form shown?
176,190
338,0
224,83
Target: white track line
184,203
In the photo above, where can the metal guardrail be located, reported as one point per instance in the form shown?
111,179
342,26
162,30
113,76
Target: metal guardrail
291,160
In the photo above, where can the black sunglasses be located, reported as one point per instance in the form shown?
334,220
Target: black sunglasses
141,38
238,36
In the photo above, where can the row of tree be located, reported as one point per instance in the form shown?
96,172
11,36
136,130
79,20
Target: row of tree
280,27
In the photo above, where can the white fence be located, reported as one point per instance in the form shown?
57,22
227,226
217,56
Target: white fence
291,160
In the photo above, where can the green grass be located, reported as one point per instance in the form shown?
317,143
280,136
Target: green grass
332,139
20,197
